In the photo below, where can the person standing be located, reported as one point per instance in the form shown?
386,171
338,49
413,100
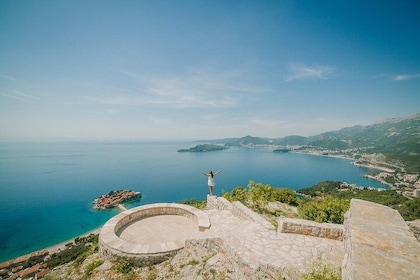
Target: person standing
210,180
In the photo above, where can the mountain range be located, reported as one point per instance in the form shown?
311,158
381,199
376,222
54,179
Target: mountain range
397,138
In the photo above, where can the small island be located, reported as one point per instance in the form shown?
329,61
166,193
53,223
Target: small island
281,150
114,198
204,148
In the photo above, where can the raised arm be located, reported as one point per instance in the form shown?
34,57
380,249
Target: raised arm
217,172
204,174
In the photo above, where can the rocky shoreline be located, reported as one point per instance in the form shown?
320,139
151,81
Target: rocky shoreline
114,198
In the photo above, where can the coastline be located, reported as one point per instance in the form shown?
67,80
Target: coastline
62,245
370,166
322,155
389,170
59,246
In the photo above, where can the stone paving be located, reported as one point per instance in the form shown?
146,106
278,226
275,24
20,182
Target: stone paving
253,243
160,229
258,245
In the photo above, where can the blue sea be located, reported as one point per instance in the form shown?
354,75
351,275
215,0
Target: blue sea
47,187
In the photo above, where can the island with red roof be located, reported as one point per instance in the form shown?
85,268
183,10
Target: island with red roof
114,198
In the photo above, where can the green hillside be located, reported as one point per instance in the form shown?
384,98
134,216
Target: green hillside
398,139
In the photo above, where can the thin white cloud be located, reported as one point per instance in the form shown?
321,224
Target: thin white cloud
377,76
15,94
301,71
14,88
195,88
406,77
267,123
9,78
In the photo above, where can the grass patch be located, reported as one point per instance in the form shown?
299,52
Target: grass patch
92,266
321,271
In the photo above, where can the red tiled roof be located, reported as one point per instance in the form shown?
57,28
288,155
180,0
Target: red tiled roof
29,271
42,273
6,264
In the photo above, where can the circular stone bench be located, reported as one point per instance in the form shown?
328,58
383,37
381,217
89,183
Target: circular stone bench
111,245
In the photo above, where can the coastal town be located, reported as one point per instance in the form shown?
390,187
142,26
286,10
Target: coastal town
39,264
31,265
115,198
393,175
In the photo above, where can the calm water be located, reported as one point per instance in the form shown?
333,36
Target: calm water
46,188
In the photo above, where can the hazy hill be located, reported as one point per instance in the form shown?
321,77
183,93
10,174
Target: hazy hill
398,139
393,136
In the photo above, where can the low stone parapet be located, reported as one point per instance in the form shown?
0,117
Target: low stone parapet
243,212
220,203
305,227
237,209
111,245
378,244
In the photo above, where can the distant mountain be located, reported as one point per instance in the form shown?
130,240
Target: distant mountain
393,136
292,140
399,136
248,140
398,139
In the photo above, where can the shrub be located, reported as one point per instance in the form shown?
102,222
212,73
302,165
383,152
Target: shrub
320,271
123,267
194,203
91,267
260,194
327,210
237,194
285,196
257,195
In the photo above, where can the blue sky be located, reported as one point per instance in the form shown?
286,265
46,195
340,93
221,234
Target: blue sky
205,69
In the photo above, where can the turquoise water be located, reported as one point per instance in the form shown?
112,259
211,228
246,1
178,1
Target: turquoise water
46,188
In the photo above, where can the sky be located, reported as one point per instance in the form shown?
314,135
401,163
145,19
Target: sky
205,69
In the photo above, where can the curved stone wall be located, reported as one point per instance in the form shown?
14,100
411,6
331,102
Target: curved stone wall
112,246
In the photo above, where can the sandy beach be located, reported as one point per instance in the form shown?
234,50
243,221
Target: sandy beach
62,245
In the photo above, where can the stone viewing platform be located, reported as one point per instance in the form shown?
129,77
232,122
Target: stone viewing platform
114,198
151,233
377,242
244,235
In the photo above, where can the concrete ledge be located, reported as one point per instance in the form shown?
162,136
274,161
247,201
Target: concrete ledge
244,212
111,245
378,244
305,227
237,209
220,203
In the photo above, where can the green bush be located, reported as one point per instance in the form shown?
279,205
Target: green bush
320,271
410,209
77,251
123,267
237,194
285,196
407,207
91,267
327,210
258,195
194,203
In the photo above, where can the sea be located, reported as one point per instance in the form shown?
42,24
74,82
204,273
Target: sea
47,187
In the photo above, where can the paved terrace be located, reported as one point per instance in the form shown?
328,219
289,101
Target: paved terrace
249,240
253,243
